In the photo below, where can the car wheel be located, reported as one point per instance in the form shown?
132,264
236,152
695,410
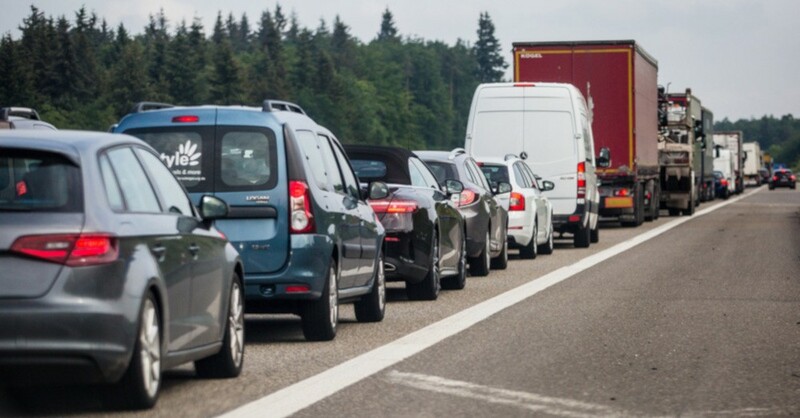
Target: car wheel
501,261
530,251
321,317
582,237
547,248
458,281
479,266
594,237
372,307
139,386
428,288
228,361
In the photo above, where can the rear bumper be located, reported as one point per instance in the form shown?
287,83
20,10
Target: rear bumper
520,228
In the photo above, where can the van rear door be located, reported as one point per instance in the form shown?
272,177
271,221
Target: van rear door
497,128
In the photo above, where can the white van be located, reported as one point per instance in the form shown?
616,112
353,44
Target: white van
549,126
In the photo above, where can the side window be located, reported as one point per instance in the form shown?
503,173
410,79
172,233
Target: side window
331,166
527,170
347,172
311,151
520,177
481,179
173,195
588,141
133,182
113,194
416,177
427,177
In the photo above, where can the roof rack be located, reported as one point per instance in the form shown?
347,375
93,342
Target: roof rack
22,112
455,152
509,156
145,106
280,105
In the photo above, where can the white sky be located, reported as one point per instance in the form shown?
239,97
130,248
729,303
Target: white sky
740,57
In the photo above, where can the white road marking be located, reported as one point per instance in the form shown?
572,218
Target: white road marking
300,395
530,401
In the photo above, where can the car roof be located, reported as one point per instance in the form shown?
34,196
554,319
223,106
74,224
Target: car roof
68,143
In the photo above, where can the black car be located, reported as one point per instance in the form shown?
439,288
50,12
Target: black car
108,273
721,185
486,216
22,118
783,178
424,244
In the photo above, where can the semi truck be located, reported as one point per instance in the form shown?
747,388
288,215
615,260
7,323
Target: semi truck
733,140
707,161
753,161
680,151
619,81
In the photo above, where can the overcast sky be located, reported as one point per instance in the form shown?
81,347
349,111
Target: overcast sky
740,57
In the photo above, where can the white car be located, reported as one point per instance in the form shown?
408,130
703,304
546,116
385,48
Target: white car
530,213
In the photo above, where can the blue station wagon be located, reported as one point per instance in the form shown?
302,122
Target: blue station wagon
308,239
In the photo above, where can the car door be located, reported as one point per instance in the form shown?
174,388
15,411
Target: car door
148,229
343,210
449,217
368,224
203,249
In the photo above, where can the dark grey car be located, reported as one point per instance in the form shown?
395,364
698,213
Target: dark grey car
108,273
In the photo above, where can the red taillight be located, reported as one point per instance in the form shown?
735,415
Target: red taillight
298,289
516,202
582,180
524,85
465,198
71,249
723,182
792,177
775,178
185,119
302,219
622,193
393,206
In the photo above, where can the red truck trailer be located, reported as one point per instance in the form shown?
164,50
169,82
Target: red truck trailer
619,79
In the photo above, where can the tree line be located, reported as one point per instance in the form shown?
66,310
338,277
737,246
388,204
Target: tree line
393,90
780,137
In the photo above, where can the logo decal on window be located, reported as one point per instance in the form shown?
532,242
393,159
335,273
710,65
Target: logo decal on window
186,156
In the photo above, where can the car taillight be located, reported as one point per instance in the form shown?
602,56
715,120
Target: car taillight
775,178
74,250
792,178
302,219
581,180
397,214
622,192
516,202
723,182
465,198
185,119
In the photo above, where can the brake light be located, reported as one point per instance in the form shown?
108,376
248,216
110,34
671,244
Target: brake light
465,198
516,202
74,250
302,219
185,119
582,180
622,193
775,178
792,177
524,85
723,182
393,206
398,214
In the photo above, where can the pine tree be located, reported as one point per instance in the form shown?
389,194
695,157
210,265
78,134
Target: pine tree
17,86
491,64
388,29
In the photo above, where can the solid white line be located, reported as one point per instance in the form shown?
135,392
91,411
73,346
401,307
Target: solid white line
302,394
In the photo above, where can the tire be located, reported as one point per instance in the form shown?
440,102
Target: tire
582,237
501,261
428,288
320,317
140,385
690,210
458,281
638,209
657,199
479,266
228,361
547,248
594,237
530,251
372,307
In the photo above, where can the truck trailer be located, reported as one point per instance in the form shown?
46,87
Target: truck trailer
680,151
753,161
733,140
619,80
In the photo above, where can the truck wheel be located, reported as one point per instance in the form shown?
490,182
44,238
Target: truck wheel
690,210
595,235
582,237
657,199
320,317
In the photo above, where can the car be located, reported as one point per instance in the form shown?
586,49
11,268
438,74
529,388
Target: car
530,213
763,175
721,185
783,177
549,126
425,243
108,272
309,240
483,210
22,118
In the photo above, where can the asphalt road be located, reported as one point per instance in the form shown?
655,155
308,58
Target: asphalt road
701,320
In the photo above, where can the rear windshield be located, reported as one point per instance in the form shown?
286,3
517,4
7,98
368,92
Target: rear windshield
38,181
495,173
442,171
205,159
367,170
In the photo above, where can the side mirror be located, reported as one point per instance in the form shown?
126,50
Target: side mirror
212,207
548,185
502,187
453,186
604,158
378,190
